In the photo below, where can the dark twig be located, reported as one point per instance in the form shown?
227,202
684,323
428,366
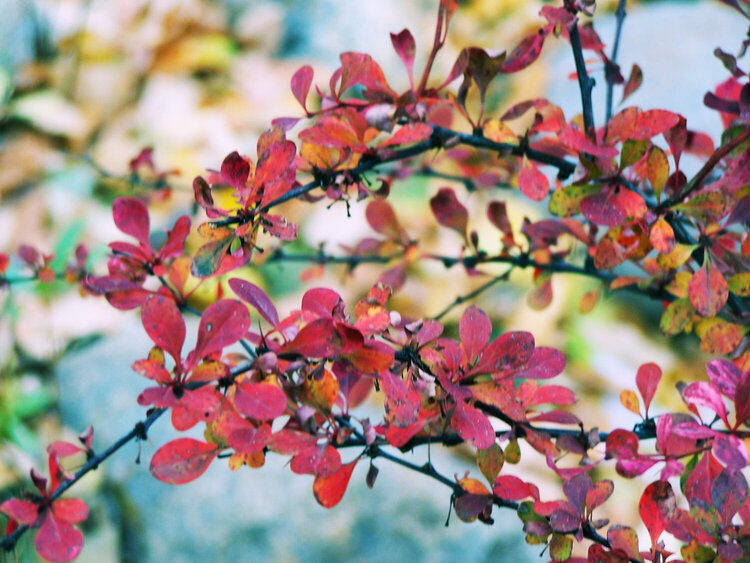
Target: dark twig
471,295
585,82
611,69
138,432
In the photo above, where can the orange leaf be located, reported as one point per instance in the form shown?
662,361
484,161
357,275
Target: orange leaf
330,490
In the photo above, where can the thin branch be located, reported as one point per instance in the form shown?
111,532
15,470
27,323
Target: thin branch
471,295
139,432
695,183
612,67
585,82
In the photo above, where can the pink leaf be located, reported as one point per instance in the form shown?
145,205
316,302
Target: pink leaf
301,82
705,394
249,440
235,171
164,324
647,379
405,47
222,324
323,460
71,510
532,182
131,217
58,540
449,212
261,401
725,375
401,402
182,460
525,53
507,353
509,487
258,298
474,329
545,363
24,511
473,426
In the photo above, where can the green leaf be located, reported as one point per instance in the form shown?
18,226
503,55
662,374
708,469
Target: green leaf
206,261
490,461
566,201
677,318
560,547
632,152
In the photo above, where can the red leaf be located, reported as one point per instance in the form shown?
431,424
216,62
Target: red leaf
182,460
474,329
652,122
708,290
410,133
176,239
509,487
164,324
656,506
449,212
572,137
58,540
647,379
330,490
383,220
552,395
24,511
258,298
222,324
235,171
261,401
401,402
533,184
290,442
324,338
634,81
71,510
598,495
321,460
373,357
507,353
473,426
301,82
544,363
63,449
405,47
250,440
525,53
622,444
131,217
321,301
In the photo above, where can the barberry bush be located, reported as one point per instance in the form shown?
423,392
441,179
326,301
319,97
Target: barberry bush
622,209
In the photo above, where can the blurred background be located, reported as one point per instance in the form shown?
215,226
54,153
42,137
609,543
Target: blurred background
85,85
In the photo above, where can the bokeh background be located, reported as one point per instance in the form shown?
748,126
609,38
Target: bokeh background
86,84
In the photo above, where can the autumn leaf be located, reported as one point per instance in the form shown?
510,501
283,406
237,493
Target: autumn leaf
449,212
708,290
182,460
329,490
532,182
